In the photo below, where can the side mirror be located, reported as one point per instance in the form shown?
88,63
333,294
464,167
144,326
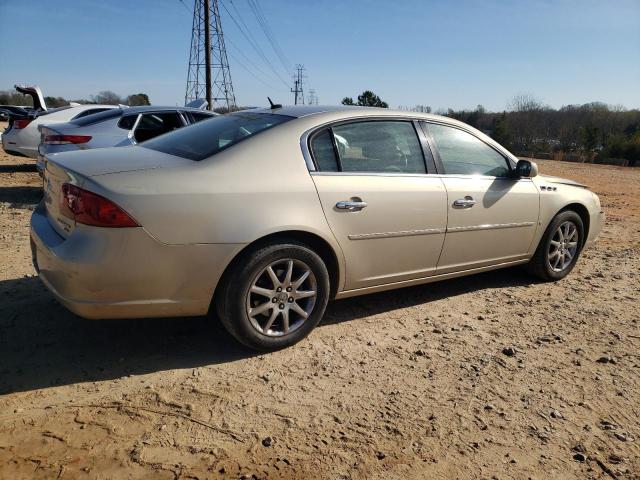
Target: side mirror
526,169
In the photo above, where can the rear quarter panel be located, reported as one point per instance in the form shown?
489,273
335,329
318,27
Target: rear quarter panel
255,188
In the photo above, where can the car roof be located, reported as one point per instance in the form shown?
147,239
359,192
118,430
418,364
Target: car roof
336,112
153,108
298,111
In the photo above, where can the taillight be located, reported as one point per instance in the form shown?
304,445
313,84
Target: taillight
66,139
92,209
21,123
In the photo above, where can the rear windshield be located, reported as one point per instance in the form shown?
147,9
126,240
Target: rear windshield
208,137
97,117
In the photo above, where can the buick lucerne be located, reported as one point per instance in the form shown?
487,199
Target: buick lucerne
261,217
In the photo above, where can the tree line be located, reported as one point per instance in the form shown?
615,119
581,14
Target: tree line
592,132
106,97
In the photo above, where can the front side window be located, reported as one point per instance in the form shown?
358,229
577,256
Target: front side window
376,147
463,154
205,139
154,124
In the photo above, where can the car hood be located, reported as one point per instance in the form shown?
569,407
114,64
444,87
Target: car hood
103,161
563,181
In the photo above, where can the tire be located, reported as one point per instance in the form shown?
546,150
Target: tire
237,297
547,265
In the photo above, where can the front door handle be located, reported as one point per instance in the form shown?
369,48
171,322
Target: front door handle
351,206
466,202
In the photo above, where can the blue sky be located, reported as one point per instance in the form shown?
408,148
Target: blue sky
440,53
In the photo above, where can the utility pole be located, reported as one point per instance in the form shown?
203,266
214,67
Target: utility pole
298,90
207,52
208,75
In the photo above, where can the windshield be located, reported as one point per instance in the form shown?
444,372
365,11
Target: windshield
208,137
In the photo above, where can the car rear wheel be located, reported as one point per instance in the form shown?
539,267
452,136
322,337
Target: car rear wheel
274,296
559,248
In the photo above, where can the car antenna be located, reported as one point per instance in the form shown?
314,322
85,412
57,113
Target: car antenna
274,105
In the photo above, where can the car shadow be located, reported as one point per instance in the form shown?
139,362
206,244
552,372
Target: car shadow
355,308
21,197
19,167
44,345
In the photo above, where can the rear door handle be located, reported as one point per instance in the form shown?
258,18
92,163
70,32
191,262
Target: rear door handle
466,202
351,206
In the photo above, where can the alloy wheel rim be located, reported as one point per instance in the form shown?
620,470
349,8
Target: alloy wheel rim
563,246
281,297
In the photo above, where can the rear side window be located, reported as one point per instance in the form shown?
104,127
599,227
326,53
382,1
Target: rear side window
373,146
323,152
127,122
154,124
463,154
205,139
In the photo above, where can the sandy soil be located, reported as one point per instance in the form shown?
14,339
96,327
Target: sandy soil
407,384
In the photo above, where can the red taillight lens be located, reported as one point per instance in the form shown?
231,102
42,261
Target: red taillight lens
92,209
66,139
19,124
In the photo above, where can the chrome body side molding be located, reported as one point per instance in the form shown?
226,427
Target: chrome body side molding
489,226
433,231
407,233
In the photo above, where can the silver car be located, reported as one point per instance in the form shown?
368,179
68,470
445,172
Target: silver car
118,127
263,216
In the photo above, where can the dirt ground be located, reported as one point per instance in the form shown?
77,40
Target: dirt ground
410,384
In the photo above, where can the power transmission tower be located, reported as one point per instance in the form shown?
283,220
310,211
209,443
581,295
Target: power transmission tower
313,98
209,76
298,90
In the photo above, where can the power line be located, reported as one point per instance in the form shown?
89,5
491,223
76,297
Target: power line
253,40
235,59
248,60
185,6
255,46
268,32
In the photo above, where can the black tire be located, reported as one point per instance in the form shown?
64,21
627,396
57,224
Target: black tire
232,298
540,264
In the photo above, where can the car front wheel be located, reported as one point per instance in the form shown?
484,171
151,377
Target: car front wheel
559,248
274,296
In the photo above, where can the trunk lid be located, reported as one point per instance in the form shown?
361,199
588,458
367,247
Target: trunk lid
103,161
35,93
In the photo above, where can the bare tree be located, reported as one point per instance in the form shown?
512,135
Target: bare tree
107,97
524,102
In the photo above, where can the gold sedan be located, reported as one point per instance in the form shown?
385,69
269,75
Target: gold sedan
260,217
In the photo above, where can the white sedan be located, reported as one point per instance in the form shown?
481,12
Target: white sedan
22,137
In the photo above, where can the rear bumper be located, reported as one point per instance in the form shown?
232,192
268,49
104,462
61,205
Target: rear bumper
12,148
124,272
